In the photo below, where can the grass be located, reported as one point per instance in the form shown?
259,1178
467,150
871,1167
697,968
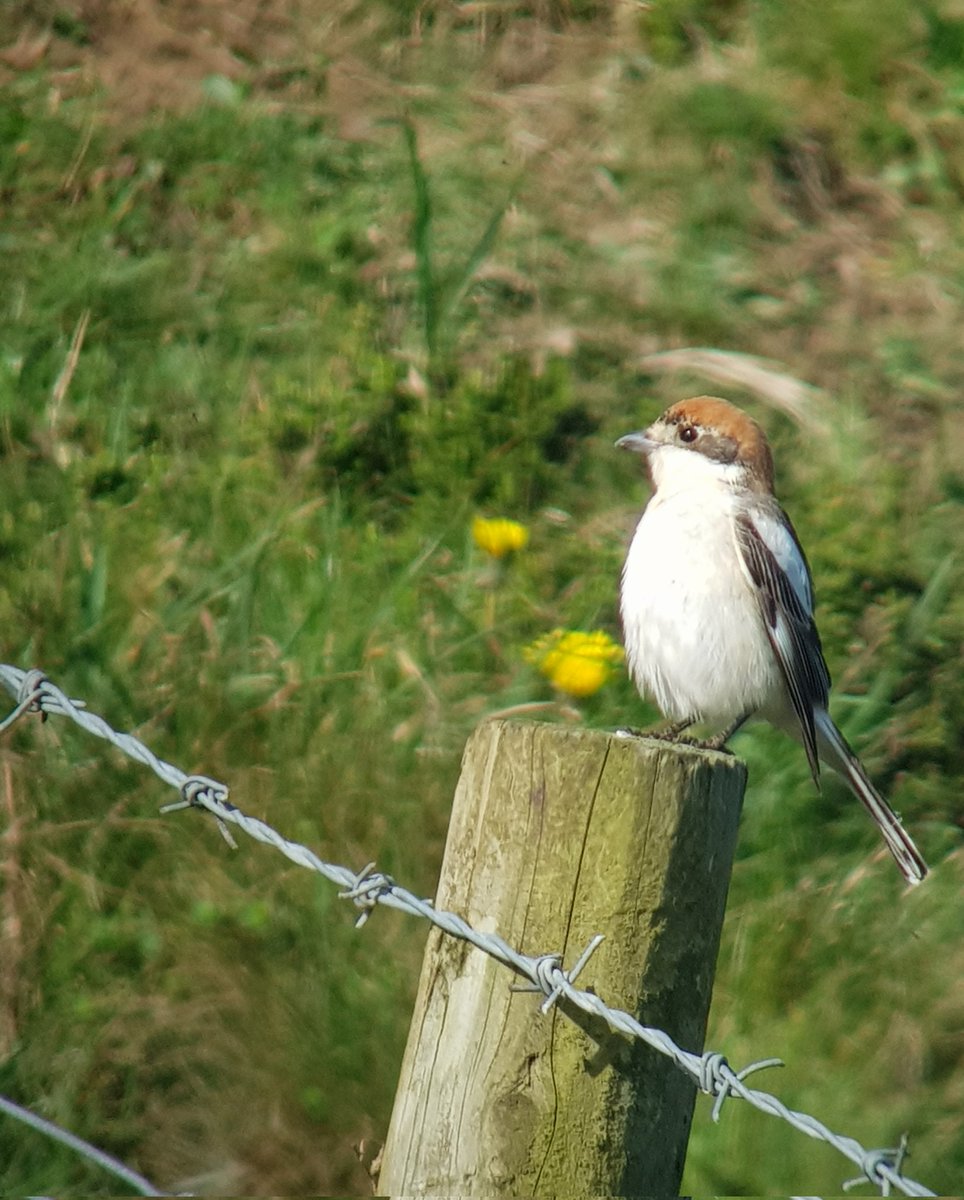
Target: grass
252,393
440,293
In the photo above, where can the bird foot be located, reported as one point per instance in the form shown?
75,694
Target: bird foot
717,743
675,733
672,733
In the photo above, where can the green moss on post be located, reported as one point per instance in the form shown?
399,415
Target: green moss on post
558,834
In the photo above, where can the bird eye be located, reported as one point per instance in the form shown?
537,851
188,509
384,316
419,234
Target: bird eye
688,434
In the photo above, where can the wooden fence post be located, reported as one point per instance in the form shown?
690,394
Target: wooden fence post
557,834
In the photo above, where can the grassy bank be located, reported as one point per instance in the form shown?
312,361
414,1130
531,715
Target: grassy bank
277,322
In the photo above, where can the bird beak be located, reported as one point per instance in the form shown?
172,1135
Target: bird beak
639,443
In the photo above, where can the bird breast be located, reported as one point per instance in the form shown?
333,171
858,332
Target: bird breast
695,639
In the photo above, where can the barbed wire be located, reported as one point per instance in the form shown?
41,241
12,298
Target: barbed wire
367,888
143,1186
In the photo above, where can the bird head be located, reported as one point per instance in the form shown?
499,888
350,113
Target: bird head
702,440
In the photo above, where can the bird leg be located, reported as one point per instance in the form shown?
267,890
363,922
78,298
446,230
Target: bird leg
719,740
674,733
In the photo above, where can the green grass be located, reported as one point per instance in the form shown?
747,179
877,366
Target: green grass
236,519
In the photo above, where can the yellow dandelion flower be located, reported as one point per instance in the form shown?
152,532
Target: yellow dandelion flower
498,536
576,663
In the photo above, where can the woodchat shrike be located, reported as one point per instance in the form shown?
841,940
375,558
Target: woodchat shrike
716,599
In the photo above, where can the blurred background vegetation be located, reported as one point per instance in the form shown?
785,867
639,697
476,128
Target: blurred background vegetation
291,293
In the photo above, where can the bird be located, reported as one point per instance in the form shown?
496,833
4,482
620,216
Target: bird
716,600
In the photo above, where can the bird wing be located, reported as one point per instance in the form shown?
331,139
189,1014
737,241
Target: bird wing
776,565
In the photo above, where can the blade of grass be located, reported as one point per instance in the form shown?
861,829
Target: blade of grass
478,254
422,241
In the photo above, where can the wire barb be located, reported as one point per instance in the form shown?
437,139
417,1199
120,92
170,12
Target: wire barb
198,791
881,1168
550,978
29,695
367,891
197,788
717,1077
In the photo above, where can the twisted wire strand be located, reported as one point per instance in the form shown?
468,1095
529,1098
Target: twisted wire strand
143,1186
367,888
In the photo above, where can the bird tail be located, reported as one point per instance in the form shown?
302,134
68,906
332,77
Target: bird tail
837,754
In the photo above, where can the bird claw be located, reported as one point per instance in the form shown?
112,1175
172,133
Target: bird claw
717,743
